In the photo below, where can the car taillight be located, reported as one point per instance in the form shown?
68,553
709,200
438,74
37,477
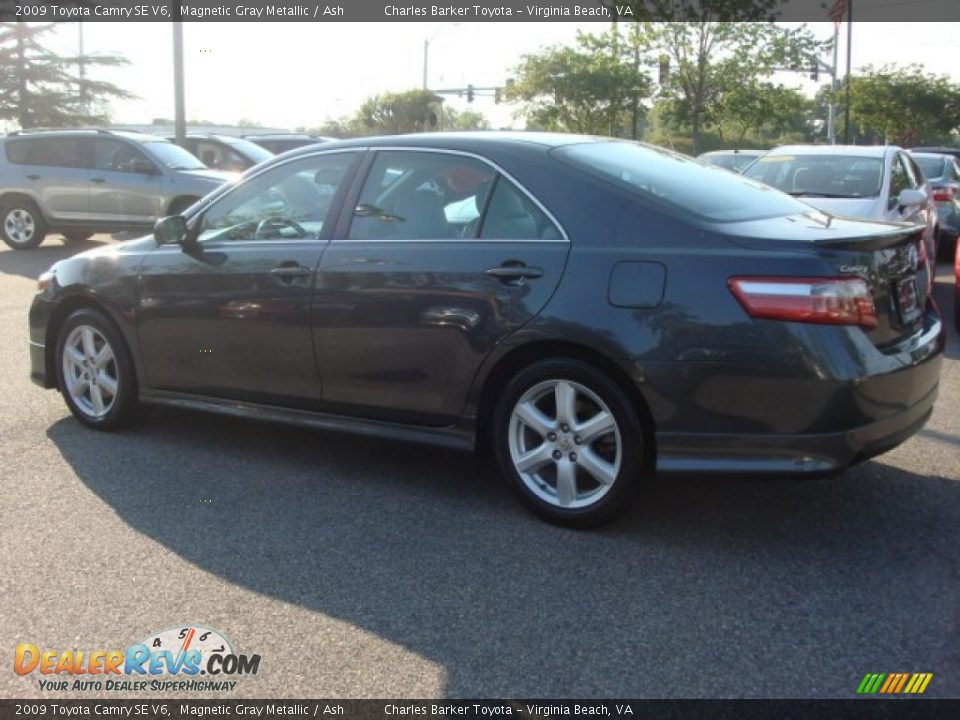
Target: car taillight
944,194
828,301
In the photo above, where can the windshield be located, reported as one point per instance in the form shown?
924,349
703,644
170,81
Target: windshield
679,183
931,167
831,176
172,156
250,150
731,161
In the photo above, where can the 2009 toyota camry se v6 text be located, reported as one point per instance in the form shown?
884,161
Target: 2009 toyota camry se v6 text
592,310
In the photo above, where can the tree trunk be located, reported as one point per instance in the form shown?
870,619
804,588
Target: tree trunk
23,91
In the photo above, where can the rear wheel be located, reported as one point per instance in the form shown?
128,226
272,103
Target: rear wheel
22,226
95,373
569,442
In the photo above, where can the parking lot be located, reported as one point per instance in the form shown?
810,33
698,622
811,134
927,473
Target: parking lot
365,568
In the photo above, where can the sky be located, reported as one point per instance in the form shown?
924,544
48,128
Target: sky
289,75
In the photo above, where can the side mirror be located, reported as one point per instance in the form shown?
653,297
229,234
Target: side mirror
911,198
170,230
143,167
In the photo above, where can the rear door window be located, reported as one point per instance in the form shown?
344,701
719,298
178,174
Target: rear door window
409,195
511,215
69,152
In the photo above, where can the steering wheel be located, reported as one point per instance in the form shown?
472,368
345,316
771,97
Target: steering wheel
276,223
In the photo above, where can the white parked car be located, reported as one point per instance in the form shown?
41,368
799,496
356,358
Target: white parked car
877,182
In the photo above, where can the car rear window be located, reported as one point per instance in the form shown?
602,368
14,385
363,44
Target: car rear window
678,183
931,167
828,175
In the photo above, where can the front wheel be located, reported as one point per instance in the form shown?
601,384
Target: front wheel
95,372
569,442
23,226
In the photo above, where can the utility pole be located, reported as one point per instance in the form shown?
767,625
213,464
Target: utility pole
81,71
846,110
832,110
180,115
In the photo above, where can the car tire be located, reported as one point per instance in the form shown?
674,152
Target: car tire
22,226
578,467
76,238
94,371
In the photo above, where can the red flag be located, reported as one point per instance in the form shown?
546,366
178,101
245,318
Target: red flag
837,11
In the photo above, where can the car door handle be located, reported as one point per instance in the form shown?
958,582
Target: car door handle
33,177
98,181
514,273
287,273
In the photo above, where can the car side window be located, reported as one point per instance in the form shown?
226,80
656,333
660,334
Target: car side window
58,152
511,215
116,156
289,202
899,181
421,196
220,157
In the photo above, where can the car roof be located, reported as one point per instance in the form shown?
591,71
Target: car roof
464,141
737,151
131,135
877,151
930,155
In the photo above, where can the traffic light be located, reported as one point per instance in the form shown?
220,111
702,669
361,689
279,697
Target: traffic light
496,96
815,72
470,93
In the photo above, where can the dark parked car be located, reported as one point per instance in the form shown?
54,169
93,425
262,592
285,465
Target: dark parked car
225,152
942,174
591,310
281,142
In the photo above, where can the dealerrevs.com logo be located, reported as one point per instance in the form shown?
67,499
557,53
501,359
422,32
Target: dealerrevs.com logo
180,659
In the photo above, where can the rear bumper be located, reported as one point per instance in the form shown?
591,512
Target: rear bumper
822,454
865,415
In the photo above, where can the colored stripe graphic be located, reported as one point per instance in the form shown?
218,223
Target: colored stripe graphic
894,683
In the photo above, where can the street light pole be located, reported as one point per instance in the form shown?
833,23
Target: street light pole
426,48
846,110
180,115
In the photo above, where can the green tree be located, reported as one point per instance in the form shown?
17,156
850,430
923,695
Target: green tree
395,113
40,88
591,88
710,58
766,109
464,120
904,106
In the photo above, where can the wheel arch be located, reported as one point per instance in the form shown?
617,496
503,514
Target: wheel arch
524,355
22,195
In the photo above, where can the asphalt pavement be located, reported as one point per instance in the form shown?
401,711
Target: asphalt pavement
366,568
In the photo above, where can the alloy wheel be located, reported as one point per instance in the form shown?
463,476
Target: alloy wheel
565,444
90,371
19,226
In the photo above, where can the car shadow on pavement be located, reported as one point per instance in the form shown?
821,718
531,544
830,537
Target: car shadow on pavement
707,588
30,263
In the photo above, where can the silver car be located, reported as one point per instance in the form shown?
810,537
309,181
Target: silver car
81,182
876,182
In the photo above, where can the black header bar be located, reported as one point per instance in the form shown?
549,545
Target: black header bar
469,10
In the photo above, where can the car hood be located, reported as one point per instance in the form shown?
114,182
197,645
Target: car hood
216,176
849,207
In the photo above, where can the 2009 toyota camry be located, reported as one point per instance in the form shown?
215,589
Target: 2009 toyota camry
590,309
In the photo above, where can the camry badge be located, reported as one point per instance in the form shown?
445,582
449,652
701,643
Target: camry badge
856,269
